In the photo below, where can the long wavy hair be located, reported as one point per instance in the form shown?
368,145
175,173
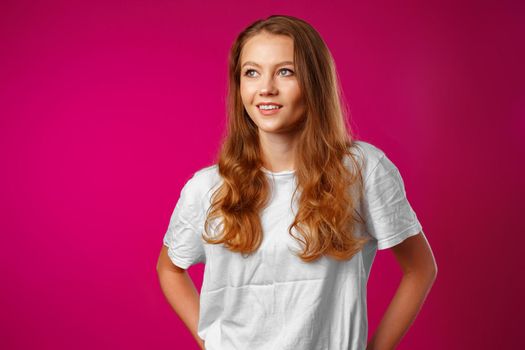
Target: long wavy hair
325,220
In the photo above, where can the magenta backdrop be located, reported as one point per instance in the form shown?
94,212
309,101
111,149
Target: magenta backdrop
108,108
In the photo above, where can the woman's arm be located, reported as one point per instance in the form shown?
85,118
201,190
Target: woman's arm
419,272
179,290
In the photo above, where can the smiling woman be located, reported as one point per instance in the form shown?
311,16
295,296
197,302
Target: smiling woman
290,218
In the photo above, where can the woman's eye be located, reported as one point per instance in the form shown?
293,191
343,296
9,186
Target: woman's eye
286,69
247,73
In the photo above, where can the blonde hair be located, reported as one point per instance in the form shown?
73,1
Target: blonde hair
324,220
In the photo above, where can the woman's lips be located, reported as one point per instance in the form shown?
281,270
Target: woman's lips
269,111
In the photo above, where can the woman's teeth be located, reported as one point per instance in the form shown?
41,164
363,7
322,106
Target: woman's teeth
268,107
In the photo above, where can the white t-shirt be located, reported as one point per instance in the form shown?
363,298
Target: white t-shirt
271,299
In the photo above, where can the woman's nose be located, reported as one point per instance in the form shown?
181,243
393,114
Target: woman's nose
267,86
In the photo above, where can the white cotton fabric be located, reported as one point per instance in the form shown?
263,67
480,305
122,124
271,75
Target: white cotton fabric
271,299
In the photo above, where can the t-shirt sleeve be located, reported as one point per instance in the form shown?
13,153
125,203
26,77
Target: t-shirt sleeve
183,236
389,216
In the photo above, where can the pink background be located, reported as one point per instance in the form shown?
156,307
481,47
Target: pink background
107,108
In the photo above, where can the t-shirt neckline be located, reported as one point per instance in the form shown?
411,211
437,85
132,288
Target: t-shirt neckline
278,173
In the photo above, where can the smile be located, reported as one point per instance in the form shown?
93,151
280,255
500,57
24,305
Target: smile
268,107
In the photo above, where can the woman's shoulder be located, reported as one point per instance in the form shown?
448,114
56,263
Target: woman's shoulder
203,180
367,154
207,173
367,150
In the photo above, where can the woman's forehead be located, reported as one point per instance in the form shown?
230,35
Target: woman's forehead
264,48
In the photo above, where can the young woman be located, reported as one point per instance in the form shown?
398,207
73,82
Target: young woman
289,219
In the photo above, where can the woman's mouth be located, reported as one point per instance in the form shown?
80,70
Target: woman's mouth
269,109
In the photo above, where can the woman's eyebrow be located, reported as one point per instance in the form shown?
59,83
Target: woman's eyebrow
251,63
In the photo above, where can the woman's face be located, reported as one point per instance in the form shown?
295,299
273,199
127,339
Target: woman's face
268,76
